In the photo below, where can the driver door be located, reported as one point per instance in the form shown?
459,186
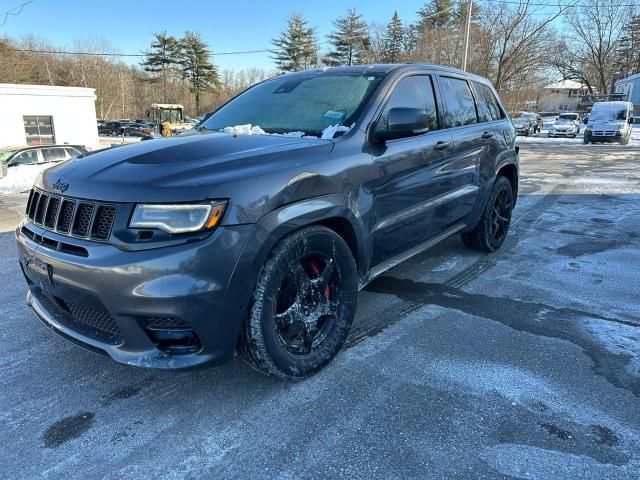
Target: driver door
413,174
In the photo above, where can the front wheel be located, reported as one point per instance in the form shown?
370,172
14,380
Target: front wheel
491,231
303,305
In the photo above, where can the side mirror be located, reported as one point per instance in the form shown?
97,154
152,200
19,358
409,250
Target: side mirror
12,163
401,122
630,120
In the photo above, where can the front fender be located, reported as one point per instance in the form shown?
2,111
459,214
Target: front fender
274,226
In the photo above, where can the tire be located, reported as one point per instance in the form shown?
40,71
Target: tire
303,305
491,231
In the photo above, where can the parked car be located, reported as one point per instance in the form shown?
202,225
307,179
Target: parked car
567,125
534,120
523,126
171,254
30,155
609,122
111,128
133,129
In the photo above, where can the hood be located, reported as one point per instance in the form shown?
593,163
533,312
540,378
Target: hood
177,168
606,124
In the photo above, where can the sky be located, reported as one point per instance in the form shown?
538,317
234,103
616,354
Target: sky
225,25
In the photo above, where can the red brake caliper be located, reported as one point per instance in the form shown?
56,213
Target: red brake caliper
316,270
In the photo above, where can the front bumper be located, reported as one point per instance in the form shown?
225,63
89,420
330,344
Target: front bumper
167,307
560,133
603,136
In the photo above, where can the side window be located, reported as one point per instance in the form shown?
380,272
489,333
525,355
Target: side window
488,107
460,109
72,152
414,92
28,157
53,154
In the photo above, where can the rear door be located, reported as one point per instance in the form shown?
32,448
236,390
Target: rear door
475,143
413,173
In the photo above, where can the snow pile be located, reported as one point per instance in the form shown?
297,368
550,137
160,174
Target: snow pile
247,129
329,132
20,178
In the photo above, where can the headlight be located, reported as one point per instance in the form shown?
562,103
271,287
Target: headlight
180,218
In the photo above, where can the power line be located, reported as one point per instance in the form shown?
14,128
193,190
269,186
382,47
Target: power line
13,12
565,5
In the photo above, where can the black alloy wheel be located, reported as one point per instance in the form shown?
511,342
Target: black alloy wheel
491,231
303,304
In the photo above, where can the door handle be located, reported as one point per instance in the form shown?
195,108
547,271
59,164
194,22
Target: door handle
442,145
486,135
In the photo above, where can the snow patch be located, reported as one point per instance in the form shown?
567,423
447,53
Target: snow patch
248,129
20,178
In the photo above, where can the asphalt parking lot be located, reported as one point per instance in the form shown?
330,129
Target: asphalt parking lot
520,364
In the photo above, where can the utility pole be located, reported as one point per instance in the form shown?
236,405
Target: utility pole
467,27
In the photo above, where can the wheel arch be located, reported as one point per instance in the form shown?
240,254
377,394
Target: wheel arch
335,212
510,172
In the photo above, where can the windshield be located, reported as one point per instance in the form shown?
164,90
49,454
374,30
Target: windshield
173,115
5,155
608,115
568,116
300,103
562,119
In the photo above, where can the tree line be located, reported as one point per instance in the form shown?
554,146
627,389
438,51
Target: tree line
517,45
520,46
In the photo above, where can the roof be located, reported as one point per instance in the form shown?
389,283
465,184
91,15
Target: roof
385,68
566,85
632,78
46,90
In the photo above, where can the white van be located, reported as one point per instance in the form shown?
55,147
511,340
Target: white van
609,122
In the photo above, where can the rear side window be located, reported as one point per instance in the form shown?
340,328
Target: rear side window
72,152
414,92
460,109
488,107
53,154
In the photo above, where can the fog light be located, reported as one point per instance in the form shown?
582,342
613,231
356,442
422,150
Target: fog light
174,341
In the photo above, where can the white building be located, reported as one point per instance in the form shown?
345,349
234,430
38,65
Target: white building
630,88
42,114
561,97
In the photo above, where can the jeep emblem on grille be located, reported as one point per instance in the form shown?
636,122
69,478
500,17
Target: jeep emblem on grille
60,186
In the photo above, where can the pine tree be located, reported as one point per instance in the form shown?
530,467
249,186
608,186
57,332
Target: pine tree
411,36
162,59
393,39
196,66
628,51
435,13
296,48
350,40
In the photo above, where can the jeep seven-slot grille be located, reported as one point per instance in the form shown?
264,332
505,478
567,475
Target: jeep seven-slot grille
70,216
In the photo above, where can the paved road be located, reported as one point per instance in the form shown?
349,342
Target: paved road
521,364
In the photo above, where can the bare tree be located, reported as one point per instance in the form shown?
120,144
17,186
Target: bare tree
587,54
520,40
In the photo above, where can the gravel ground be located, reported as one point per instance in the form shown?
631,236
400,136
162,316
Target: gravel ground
520,364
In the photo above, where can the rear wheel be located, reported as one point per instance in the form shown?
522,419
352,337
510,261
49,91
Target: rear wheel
303,305
491,231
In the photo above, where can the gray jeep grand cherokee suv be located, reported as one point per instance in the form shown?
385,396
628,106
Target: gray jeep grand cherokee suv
256,233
